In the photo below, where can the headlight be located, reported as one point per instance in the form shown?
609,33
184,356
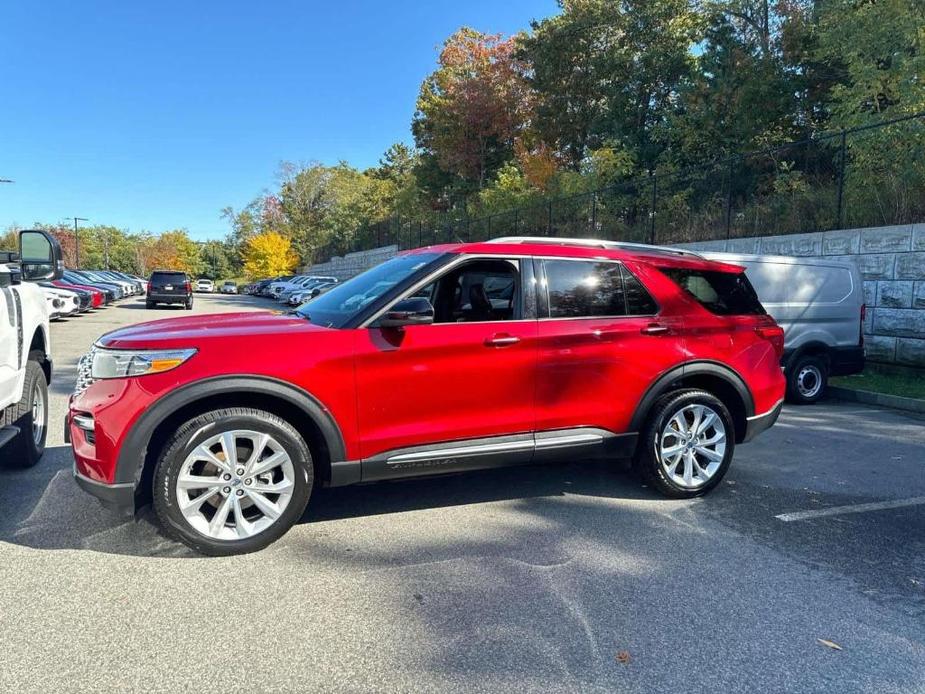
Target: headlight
110,363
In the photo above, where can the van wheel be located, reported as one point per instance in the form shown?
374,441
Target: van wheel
807,380
687,444
232,481
30,414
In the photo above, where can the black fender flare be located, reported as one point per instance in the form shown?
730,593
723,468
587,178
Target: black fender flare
815,347
662,384
134,450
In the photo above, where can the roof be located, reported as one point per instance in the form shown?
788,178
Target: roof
659,256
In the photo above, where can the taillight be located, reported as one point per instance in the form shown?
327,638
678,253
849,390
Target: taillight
773,334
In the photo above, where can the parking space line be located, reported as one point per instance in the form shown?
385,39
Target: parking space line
852,508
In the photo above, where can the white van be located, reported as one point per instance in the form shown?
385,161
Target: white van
820,305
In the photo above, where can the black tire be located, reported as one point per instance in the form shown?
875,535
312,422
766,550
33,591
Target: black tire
204,426
24,451
647,462
149,304
189,304
807,380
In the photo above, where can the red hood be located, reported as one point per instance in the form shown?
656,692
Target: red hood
191,331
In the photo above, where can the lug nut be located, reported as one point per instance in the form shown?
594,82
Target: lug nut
248,481
240,492
226,477
227,490
240,471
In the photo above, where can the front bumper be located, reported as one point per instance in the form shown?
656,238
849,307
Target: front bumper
761,422
116,497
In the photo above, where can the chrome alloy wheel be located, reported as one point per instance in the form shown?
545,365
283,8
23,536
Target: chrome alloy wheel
809,381
38,414
235,485
692,446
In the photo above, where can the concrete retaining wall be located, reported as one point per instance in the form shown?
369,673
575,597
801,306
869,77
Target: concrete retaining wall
891,260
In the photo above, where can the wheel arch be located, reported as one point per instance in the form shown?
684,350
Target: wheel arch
816,348
39,343
713,377
144,442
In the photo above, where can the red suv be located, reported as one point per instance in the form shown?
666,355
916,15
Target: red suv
443,359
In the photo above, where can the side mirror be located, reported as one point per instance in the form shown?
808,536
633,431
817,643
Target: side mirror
413,311
39,256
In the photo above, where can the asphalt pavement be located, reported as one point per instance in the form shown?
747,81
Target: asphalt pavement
570,577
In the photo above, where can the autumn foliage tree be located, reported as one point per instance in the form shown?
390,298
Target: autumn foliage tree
268,254
472,108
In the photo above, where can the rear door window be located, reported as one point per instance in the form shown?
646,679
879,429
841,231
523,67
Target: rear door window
722,293
579,289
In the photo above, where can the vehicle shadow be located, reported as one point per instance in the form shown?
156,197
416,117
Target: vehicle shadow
45,509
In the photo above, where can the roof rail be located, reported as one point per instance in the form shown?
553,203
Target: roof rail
594,243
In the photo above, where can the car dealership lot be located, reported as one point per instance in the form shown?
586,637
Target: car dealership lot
567,577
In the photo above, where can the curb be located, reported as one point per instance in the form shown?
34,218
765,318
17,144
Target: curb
883,400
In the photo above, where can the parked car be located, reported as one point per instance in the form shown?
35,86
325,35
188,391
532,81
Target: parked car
304,285
301,296
80,277
76,299
97,297
820,305
25,347
440,360
128,288
205,286
229,287
169,287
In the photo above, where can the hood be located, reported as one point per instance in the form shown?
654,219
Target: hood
193,330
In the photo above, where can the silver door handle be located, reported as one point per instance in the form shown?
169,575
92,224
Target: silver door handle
502,341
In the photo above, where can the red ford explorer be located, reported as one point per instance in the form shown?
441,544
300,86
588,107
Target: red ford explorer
443,359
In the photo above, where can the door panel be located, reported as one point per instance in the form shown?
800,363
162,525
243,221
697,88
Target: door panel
433,383
594,371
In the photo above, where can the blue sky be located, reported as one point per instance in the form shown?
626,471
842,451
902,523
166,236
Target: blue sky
155,115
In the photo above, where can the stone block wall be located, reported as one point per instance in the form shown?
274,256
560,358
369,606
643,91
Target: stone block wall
891,260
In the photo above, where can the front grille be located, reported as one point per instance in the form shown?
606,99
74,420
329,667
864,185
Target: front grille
84,379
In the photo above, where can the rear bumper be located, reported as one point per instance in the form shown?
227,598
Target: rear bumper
169,298
116,497
761,422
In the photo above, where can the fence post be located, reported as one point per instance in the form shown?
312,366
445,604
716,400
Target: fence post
841,181
549,220
652,208
420,233
729,198
516,219
594,212
489,227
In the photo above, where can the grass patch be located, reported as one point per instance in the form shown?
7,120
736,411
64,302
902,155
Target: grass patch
892,380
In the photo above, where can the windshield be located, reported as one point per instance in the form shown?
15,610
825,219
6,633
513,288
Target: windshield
335,308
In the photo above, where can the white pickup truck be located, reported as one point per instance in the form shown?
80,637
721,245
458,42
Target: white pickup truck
25,350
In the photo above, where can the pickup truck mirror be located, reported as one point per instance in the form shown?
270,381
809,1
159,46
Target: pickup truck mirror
415,310
39,256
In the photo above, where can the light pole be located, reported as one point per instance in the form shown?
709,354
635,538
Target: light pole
77,240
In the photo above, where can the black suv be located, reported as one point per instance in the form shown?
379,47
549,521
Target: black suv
169,287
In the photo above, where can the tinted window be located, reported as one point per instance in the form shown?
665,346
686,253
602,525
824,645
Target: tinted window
482,290
579,288
638,301
722,293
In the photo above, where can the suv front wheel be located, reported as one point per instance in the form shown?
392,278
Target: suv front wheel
232,481
687,444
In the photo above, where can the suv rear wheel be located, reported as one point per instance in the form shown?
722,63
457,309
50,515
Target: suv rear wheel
687,445
232,481
807,380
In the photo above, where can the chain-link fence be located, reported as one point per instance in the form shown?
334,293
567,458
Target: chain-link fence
868,176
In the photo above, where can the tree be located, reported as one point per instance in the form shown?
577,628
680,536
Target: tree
472,108
268,254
